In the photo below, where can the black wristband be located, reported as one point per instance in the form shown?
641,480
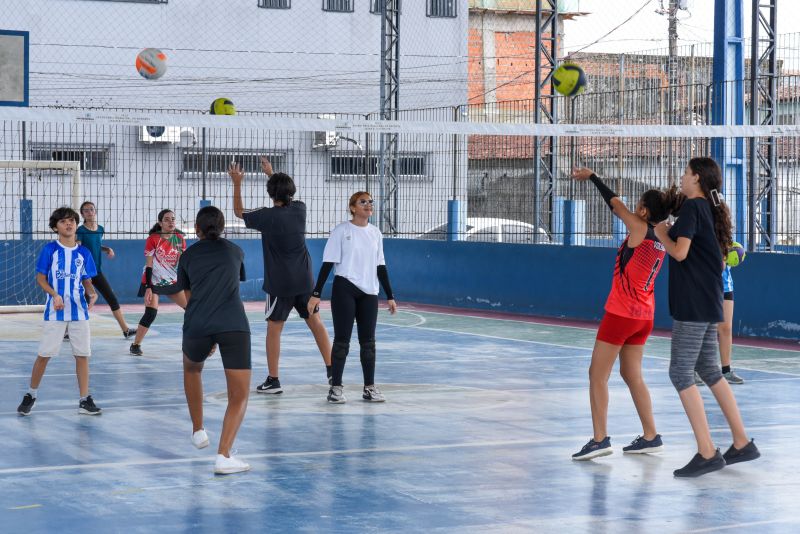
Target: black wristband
148,277
605,192
383,278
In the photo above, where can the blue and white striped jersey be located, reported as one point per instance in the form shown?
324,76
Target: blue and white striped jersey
65,269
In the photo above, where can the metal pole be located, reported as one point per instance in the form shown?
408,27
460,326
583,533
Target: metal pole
754,120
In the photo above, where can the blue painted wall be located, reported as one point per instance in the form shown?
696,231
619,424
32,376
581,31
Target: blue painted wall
547,280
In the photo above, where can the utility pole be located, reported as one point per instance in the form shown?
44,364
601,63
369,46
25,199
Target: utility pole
672,80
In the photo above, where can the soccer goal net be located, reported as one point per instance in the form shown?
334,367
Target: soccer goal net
31,190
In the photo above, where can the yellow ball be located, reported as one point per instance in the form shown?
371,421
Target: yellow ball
223,106
736,255
569,79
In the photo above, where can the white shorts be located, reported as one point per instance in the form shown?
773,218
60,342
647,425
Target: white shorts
53,337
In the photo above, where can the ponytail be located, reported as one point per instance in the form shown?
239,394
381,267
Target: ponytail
662,204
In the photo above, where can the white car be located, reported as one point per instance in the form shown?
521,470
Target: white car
492,230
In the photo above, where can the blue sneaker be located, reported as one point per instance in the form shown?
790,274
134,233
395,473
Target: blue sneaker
594,449
643,446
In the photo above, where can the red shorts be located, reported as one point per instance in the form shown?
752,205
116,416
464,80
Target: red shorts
618,330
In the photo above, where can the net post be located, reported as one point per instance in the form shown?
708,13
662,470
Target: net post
456,219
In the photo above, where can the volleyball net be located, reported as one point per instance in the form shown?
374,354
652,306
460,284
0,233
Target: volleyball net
434,174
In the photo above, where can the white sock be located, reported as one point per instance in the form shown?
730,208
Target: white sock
33,392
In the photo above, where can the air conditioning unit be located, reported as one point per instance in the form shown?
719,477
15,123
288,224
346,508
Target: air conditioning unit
164,134
327,139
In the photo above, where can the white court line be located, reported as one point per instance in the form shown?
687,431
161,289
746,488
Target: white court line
572,347
739,526
659,336
311,454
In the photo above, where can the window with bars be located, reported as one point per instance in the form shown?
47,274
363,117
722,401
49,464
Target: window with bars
92,158
275,4
352,166
341,6
375,6
442,8
218,161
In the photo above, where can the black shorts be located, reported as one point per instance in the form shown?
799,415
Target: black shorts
234,348
728,295
278,308
161,290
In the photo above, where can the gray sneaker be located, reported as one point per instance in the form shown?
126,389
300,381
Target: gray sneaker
336,395
373,394
733,378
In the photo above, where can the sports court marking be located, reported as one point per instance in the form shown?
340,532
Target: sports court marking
334,452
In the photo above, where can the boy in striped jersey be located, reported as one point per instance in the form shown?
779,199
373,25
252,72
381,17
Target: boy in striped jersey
64,271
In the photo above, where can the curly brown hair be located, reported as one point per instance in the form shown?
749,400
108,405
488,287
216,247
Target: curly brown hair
711,183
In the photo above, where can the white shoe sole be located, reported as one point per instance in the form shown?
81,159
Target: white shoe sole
645,451
81,411
595,454
230,470
340,401
373,400
270,391
202,445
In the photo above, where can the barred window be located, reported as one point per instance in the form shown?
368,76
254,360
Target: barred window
375,6
275,4
352,166
218,161
92,158
342,6
442,8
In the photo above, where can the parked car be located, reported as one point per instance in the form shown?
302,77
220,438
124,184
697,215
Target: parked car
492,230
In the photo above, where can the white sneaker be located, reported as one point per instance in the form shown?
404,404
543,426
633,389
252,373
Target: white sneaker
228,466
336,395
200,439
373,394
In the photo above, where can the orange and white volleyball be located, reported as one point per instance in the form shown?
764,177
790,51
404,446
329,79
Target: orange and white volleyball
151,63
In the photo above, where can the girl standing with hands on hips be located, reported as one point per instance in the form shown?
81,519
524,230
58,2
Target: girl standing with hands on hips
355,248
696,244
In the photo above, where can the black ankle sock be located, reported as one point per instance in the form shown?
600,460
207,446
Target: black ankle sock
328,370
726,369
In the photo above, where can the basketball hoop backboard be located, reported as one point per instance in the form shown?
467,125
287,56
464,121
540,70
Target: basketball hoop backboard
13,68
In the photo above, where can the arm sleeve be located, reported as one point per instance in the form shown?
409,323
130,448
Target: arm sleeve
322,277
148,277
605,191
43,262
383,278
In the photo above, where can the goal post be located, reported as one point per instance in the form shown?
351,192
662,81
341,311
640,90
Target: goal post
19,292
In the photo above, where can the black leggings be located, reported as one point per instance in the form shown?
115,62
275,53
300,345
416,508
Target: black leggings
101,284
348,303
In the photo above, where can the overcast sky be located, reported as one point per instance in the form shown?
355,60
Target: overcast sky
648,30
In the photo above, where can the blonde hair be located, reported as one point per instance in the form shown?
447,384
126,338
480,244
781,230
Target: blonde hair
354,198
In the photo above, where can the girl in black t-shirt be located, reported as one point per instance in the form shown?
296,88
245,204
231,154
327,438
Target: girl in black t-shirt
209,273
695,244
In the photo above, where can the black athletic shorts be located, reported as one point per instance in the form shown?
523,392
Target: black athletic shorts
278,308
728,295
233,347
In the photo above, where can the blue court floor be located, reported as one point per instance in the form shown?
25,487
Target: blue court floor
481,418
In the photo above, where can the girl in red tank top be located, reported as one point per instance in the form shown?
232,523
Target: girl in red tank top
628,320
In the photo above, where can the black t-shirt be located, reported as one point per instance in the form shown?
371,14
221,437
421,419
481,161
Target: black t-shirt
287,264
695,284
211,269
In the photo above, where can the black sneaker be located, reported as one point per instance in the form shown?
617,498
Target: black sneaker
734,455
700,466
271,385
136,350
87,407
66,337
25,406
130,332
643,446
594,449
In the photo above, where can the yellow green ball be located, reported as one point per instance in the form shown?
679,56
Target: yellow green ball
223,106
736,254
